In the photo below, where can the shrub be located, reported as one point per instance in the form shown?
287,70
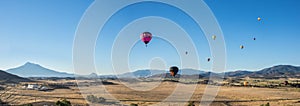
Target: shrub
28,104
95,99
64,102
268,104
3,103
133,104
191,103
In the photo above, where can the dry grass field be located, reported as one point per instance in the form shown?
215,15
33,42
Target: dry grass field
122,95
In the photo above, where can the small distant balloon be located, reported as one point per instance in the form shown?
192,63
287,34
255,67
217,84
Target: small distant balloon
286,82
208,59
258,19
186,52
173,70
242,46
214,37
254,38
246,83
146,37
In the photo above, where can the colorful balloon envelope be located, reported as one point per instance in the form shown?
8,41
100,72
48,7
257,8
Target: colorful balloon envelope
246,83
146,37
242,47
258,19
214,37
173,70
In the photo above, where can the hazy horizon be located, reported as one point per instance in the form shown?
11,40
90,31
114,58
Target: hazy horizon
139,69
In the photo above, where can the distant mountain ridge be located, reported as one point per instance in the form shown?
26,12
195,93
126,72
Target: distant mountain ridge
140,73
238,73
279,71
150,73
35,70
10,78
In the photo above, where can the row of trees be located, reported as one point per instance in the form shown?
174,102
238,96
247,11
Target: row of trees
95,99
63,102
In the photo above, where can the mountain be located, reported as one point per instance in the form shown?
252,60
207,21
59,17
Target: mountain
279,71
93,75
35,70
149,73
190,72
238,73
140,73
10,78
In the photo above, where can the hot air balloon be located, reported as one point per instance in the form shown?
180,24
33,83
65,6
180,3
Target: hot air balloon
146,37
173,70
208,59
214,37
258,19
242,47
186,53
286,83
246,83
254,38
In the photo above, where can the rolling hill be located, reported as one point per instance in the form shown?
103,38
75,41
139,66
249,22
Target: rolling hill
156,73
279,71
140,73
238,73
10,78
35,70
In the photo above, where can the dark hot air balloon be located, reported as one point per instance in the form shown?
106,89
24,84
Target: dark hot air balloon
242,46
173,70
286,83
208,59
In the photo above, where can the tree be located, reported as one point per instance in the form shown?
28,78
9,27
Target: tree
133,104
268,104
28,104
64,102
191,103
95,99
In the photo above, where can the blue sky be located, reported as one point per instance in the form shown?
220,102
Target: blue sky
42,31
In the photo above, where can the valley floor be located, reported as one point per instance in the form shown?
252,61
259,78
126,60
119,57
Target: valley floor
119,94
